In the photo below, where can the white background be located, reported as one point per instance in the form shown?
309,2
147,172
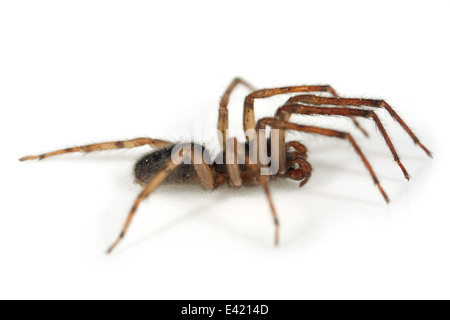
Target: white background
89,71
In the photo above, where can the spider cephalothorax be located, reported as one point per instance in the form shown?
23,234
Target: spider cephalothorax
237,165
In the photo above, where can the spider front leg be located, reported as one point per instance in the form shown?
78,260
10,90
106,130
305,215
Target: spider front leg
276,123
249,113
354,102
287,110
133,143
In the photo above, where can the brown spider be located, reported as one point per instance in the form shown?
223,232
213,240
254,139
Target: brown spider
236,164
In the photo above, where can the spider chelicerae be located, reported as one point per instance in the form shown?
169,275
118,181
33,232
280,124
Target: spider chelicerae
257,160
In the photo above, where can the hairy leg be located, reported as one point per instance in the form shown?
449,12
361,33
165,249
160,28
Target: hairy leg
281,124
233,151
253,177
249,114
222,124
202,170
289,109
316,100
104,146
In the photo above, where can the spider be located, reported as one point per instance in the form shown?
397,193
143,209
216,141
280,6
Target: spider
236,165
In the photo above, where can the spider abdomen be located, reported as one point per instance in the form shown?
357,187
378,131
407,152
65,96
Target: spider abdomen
150,164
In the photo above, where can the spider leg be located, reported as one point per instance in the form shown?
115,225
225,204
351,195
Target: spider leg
233,146
249,113
354,102
263,181
256,171
222,124
103,146
202,170
233,150
302,109
281,124
151,186
235,155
